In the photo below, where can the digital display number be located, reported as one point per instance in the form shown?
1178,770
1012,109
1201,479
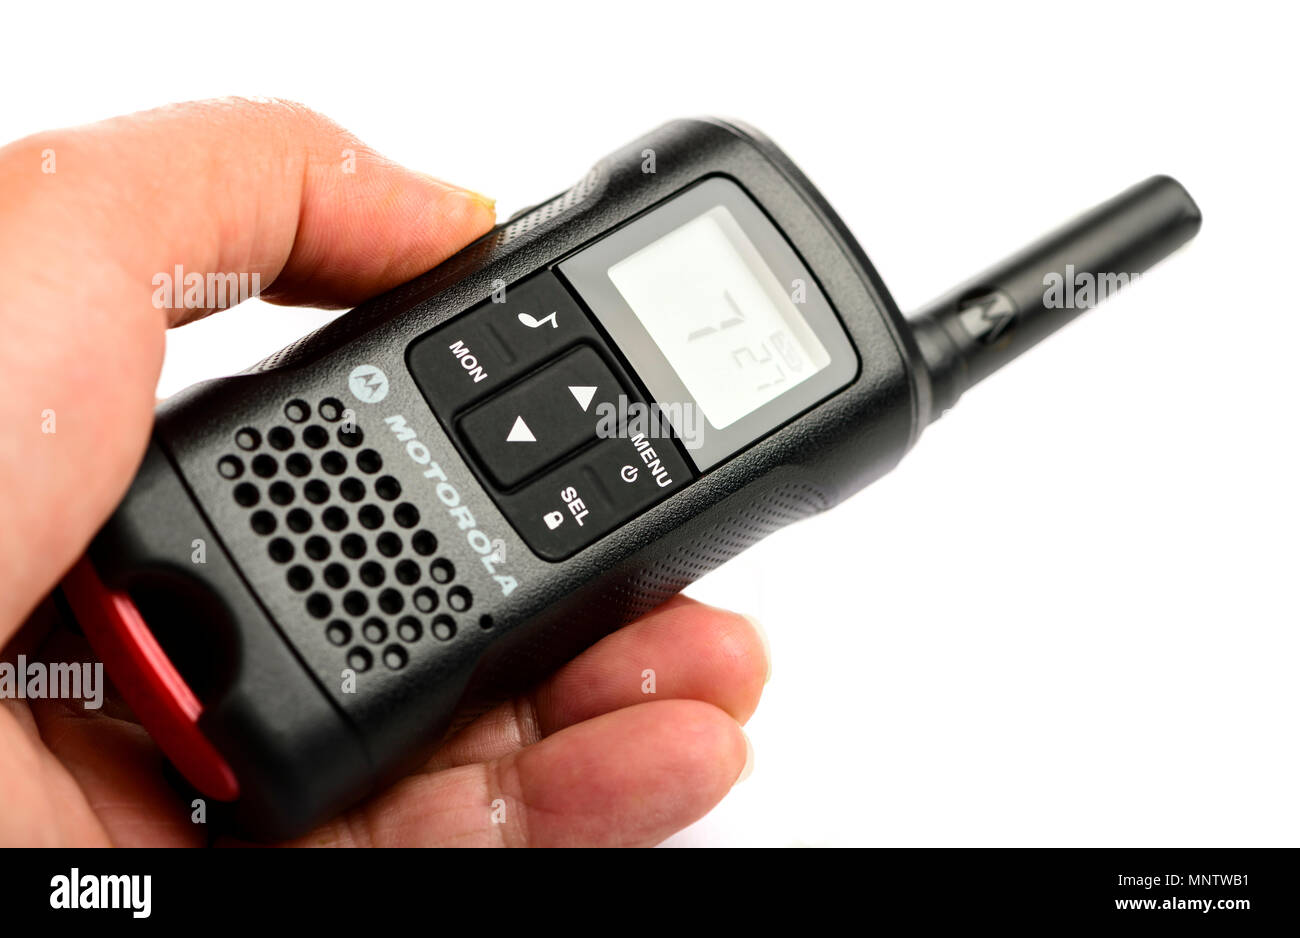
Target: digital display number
730,330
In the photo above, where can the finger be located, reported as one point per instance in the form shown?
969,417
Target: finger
231,185
43,805
221,187
116,767
118,771
682,650
628,778
31,634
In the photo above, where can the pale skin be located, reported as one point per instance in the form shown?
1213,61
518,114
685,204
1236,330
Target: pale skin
584,758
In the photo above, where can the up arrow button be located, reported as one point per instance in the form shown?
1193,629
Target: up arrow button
540,419
520,433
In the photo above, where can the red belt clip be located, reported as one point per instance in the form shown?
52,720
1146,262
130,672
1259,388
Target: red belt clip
147,680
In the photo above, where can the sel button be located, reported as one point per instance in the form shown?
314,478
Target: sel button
592,494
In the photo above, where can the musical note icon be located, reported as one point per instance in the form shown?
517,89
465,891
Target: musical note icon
532,322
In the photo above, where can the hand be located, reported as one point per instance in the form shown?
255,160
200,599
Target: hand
242,186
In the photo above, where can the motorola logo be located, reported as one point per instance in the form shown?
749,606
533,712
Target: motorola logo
987,316
368,384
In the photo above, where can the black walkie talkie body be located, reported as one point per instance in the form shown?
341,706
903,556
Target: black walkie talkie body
452,489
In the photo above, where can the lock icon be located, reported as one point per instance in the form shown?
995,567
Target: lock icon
553,520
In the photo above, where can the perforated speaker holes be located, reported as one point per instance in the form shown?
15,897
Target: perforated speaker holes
348,544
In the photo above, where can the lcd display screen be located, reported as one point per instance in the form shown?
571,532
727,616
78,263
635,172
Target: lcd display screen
730,330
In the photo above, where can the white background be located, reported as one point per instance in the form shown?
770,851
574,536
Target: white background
1069,617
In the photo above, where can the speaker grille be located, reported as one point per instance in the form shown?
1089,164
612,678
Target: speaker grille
358,554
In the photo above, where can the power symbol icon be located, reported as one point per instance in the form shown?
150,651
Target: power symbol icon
628,473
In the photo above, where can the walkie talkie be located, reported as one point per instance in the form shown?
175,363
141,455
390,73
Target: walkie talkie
447,492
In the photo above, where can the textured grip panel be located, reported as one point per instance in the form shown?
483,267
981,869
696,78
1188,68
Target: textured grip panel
623,599
350,326
669,575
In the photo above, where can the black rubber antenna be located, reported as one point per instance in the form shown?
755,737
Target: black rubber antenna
976,328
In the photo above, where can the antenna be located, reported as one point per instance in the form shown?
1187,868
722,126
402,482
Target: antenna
976,328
